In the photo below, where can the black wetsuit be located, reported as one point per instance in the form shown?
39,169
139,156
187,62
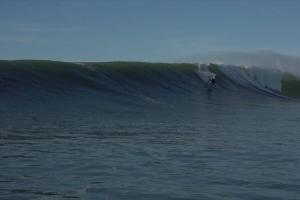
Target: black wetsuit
213,81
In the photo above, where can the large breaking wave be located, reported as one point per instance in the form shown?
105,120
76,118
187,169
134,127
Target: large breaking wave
146,81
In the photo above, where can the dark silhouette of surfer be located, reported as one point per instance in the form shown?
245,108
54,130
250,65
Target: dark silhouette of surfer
211,83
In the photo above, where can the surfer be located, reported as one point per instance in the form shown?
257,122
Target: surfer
211,83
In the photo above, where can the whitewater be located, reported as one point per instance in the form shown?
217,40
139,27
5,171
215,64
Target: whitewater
137,130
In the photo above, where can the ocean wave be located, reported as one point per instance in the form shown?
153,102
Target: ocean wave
140,79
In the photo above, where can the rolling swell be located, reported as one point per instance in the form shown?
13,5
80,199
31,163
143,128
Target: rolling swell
138,79
111,78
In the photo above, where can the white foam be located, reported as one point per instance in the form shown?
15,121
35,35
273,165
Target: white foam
204,73
262,59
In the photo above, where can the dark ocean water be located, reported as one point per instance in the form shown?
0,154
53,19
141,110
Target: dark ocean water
150,135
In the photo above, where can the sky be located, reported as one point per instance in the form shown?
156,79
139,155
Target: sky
145,30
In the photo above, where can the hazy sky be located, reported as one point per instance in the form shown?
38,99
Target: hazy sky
148,30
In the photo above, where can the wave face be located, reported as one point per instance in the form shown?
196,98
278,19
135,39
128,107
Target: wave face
145,81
